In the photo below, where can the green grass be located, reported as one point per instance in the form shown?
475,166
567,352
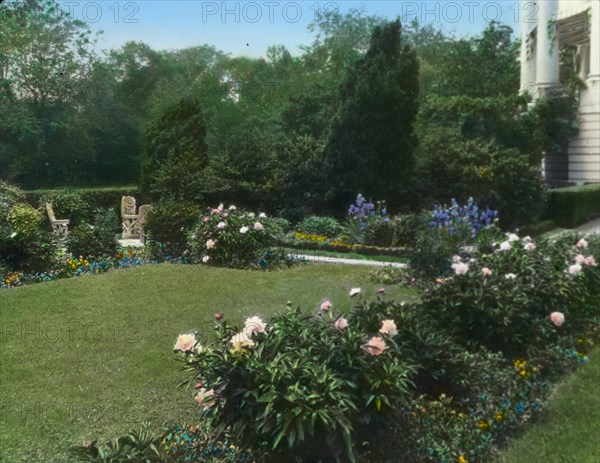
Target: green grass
569,431
91,357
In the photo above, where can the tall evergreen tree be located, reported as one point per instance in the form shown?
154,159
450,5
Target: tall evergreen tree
371,143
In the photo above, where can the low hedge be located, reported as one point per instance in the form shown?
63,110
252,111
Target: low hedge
573,206
346,248
108,197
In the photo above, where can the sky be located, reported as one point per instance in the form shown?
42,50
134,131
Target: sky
250,27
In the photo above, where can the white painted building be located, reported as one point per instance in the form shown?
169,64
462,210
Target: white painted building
544,25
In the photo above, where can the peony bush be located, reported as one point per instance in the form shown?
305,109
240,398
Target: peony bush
232,237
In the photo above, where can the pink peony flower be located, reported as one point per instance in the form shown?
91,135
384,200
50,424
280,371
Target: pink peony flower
589,260
460,268
221,225
206,398
375,346
388,327
254,325
557,318
258,226
205,259
244,230
185,342
341,323
582,243
325,306
354,292
529,246
574,269
210,244
579,259
486,271
216,211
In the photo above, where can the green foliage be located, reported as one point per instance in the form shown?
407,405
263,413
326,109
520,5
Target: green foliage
509,309
67,204
303,388
168,224
572,206
371,142
432,254
24,219
389,275
231,237
97,240
175,147
324,226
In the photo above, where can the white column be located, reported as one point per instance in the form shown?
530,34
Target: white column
595,41
526,77
547,52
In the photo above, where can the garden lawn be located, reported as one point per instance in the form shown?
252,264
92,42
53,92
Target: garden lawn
569,430
91,357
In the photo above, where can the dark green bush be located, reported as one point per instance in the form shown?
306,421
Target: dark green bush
67,204
572,206
324,226
97,240
168,225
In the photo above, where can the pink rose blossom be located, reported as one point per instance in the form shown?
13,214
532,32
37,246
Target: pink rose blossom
574,269
258,226
185,342
325,306
460,268
375,346
579,259
206,398
486,271
388,327
582,243
557,318
341,323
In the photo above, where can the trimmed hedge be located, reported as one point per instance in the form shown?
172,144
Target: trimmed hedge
105,198
572,206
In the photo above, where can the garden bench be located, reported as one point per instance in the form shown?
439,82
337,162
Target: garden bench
60,227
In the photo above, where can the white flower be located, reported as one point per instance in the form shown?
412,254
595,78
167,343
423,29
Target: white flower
262,215
460,268
574,269
254,325
354,292
512,237
529,246
13,234
258,226
251,215
510,276
527,239
205,259
486,271
244,230
388,327
582,243
220,208
232,208
579,259
221,225
456,259
505,246
241,340
185,342
210,244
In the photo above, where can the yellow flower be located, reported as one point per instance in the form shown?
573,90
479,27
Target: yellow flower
483,425
498,416
462,459
523,372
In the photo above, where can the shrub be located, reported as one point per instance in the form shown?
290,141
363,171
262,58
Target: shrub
231,237
24,219
314,225
389,275
572,206
508,309
168,224
98,240
407,227
300,384
67,204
